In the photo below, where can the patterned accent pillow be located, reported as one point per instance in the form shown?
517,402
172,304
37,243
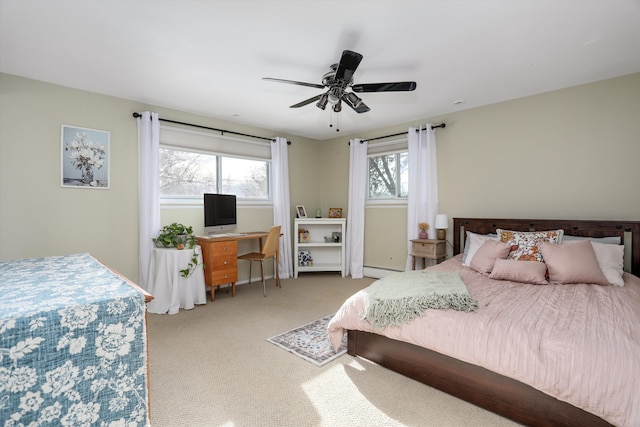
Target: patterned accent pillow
527,242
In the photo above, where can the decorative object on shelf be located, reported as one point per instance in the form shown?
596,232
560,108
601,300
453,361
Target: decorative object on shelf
423,226
305,259
318,213
300,211
179,236
335,212
442,224
336,236
85,157
303,236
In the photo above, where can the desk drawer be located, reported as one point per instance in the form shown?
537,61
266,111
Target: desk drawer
225,248
221,263
222,277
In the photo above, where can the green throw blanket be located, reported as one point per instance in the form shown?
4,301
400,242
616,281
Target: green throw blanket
401,297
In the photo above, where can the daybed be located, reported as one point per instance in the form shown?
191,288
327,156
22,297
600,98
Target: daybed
73,344
538,374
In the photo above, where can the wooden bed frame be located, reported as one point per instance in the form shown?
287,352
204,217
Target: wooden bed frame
496,393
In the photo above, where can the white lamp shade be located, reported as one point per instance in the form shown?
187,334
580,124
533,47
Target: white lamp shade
442,222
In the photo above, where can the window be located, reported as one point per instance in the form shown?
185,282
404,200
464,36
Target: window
193,163
388,171
187,174
247,179
388,176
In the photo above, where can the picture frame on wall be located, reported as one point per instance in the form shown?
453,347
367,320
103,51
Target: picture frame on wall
84,157
335,212
302,213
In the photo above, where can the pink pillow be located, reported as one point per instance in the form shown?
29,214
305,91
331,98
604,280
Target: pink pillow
611,261
486,256
575,262
520,271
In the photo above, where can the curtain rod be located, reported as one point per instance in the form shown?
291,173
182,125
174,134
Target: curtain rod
441,125
222,131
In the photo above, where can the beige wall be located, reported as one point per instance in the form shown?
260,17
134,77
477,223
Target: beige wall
40,218
571,153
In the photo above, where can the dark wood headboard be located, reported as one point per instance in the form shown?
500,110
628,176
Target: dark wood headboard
584,228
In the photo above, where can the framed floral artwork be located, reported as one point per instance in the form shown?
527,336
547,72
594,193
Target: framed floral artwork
84,157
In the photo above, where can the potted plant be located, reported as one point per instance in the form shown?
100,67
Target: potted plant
179,236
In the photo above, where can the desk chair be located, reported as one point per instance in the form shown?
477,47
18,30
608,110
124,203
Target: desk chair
269,250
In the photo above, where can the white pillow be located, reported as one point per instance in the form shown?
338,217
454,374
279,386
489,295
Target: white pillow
475,241
611,261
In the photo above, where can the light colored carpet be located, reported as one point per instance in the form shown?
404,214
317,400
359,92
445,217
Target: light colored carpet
212,366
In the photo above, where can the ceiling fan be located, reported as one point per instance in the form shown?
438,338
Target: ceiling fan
337,82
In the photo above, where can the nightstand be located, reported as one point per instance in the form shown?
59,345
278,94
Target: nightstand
428,249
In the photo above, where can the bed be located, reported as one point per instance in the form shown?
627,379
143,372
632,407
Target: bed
448,366
72,344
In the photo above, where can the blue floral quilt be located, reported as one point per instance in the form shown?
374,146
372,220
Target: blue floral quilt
72,345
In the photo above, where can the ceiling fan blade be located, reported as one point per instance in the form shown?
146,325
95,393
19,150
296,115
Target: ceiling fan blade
348,65
292,82
306,101
385,87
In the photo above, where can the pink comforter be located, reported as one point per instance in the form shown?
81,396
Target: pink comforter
578,343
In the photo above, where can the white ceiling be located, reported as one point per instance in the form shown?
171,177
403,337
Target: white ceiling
209,57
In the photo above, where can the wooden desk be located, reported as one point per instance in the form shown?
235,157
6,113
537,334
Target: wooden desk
220,257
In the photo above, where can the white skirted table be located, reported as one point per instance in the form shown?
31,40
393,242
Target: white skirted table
170,290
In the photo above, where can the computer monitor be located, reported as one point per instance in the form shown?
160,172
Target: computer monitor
220,213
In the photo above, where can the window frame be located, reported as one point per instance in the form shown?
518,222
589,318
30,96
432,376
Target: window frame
397,147
197,147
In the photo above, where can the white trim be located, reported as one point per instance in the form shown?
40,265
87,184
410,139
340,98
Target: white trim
386,203
377,273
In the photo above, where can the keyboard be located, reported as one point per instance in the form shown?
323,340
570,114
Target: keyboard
214,236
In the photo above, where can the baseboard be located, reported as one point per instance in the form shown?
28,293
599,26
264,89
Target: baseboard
377,273
255,279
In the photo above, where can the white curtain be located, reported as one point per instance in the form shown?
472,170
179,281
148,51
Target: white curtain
281,203
422,203
354,242
148,190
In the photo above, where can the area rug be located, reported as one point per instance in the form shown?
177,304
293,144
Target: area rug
311,342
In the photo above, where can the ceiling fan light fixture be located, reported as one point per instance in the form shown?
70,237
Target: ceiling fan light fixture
322,102
353,99
337,107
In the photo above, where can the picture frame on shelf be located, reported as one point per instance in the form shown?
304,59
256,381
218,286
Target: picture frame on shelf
300,211
335,212
84,158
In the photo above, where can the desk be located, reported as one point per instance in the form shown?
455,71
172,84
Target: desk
220,255
170,290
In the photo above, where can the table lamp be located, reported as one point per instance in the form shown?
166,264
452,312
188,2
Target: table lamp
442,223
